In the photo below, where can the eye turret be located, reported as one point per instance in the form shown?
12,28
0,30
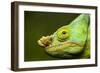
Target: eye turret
62,34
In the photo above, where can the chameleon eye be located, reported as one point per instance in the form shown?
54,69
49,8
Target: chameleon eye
62,34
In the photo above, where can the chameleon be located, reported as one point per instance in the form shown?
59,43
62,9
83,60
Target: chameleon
71,41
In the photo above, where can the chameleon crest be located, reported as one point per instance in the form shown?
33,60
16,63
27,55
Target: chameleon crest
69,41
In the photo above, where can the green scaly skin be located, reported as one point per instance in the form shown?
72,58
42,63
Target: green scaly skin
69,41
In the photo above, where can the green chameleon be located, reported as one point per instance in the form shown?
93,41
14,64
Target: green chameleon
70,41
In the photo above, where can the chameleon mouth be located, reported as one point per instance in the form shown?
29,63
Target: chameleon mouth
70,44
67,48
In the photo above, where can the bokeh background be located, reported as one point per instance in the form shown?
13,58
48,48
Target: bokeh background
38,24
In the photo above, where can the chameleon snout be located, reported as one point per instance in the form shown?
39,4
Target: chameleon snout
45,41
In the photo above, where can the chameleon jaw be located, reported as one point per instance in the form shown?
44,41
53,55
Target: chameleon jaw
63,50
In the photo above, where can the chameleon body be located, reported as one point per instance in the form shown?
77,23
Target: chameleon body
69,41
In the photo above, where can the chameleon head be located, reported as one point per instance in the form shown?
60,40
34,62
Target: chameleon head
68,41
58,45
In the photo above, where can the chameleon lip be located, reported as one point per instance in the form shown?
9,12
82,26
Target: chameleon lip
71,44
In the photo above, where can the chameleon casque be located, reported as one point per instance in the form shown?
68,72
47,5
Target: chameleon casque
70,41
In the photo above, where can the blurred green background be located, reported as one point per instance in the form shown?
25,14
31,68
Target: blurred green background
38,24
